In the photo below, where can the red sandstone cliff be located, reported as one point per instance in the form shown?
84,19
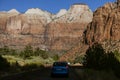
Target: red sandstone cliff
105,24
104,29
39,28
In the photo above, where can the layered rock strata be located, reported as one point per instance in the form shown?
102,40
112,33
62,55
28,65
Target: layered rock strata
105,27
39,28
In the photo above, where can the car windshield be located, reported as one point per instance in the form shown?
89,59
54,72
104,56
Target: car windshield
60,64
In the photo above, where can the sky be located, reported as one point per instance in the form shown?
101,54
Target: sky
52,6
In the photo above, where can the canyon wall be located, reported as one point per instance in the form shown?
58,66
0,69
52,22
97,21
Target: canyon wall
38,28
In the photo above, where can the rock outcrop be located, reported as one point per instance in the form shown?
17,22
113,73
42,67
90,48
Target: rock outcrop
13,11
105,27
65,32
45,16
42,29
105,24
60,13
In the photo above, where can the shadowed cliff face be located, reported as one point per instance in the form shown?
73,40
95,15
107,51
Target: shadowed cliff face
42,29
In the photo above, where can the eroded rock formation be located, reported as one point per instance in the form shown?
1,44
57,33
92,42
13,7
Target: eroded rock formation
39,28
105,24
66,31
104,29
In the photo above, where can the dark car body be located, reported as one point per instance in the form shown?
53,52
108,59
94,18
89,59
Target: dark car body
60,68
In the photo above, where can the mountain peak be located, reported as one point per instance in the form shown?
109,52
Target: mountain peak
61,12
79,6
34,11
13,11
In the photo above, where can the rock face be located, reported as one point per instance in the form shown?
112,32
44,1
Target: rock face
104,29
62,35
65,32
45,16
105,26
13,11
42,29
61,13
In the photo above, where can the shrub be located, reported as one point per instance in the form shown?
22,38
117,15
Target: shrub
4,65
115,60
4,50
94,57
7,51
30,67
39,52
97,58
27,52
117,54
44,54
56,57
79,59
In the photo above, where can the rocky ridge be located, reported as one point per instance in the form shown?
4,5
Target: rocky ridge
60,13
13,11
42,29
66,31
104,29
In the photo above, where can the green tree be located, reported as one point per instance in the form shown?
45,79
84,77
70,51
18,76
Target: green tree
42,53
79,59
13,52
117,54
56,57
37,52
27,52
1,51
94,57
97,58
5,50
114,62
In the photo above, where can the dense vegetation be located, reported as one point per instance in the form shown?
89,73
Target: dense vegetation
14,61
4,65
28,52
96,58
